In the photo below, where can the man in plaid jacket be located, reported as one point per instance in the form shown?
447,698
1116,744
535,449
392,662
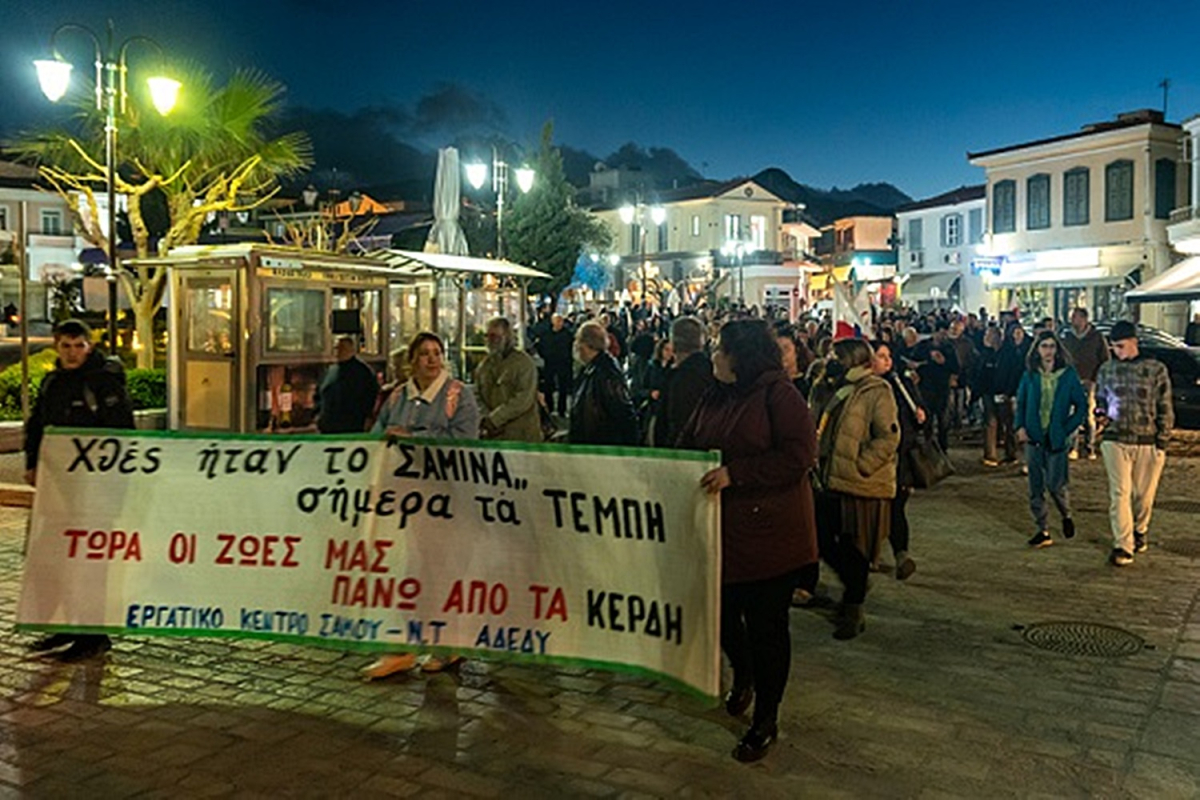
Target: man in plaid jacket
1133,406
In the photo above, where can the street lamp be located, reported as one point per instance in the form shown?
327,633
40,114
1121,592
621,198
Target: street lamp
477,173
54,76
640,212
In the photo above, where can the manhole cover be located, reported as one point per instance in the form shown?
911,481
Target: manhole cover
1083,639
1181,506
1182,547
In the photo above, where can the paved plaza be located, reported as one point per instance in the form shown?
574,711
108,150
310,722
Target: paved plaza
943,696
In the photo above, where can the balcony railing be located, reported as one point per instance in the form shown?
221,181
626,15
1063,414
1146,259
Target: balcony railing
1184,214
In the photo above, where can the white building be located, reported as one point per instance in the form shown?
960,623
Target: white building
1079,219
1178,289
937,242
724,236
49,245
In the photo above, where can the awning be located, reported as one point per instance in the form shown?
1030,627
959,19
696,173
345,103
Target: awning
934,285
409,262
1180,282
820,281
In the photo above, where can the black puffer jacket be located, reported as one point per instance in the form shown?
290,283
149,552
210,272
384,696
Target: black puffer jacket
601,411
92,396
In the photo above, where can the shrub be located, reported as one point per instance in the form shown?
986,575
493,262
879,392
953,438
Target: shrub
10,382
147,387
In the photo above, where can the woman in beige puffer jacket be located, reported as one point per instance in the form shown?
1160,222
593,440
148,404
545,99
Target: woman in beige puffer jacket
859,434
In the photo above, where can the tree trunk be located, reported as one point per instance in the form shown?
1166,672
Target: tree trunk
144,314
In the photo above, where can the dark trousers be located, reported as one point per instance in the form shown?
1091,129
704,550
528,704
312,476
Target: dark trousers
756,640
838,549
998,433
557,386
899,535
939,420
1047,475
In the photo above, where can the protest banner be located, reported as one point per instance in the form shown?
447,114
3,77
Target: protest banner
597,556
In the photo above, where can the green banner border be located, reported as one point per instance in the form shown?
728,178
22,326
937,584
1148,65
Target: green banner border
709,456
384,647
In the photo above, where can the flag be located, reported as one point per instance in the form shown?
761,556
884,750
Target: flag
851,314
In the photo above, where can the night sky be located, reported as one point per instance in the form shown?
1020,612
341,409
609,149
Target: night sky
834,93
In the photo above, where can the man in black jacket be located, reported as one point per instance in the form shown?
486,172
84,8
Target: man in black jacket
85,390
553,344
601,410
347,394
686,382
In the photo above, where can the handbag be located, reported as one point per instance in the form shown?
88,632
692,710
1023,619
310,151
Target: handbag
930,464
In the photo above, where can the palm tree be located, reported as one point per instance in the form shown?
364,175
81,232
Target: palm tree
215,153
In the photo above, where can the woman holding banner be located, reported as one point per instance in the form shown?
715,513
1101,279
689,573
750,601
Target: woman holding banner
760,423
429,404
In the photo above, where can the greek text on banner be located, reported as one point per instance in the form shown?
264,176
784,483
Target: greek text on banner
607,557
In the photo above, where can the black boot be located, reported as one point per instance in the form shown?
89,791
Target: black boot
738,700
757,741
852,622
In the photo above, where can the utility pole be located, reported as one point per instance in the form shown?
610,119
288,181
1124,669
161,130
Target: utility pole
1165,85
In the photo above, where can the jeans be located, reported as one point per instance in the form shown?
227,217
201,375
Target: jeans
1047,473
998,430
756,638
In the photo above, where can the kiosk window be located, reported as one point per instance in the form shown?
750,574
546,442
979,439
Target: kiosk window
366,302
295,320
210,316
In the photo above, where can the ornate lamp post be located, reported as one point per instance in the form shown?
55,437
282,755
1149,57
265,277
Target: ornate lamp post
54,75
477,174
642,213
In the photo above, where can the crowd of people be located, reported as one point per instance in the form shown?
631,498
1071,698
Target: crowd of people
817,437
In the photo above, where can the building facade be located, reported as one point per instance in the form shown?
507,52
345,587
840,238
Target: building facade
1079,219
937,241
726,238
49,248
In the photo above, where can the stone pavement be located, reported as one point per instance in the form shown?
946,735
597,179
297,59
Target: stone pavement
943,696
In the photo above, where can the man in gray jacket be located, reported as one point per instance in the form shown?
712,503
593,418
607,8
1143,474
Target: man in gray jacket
506,386
1088,352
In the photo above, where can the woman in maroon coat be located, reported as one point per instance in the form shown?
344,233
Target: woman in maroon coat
761,425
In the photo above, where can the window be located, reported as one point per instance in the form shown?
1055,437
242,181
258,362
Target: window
1075,196
662,237
1004,207
295,320
1037,202
915,234
758,232
975,226
1118,191
635,238
695,224
366,302
733,228
952,230
1164,188
3,218
210,315
52,223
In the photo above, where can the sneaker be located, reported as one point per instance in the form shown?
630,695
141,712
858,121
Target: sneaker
85,647
1024,469
1120,558
53,643
1073,455
1140,545
1041,539
389,664
1068,527
1092,456
801,598
905,568
436,664
991,462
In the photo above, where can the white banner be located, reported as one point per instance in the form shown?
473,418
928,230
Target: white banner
605,557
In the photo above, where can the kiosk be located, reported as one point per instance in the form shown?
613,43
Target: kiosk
251,327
